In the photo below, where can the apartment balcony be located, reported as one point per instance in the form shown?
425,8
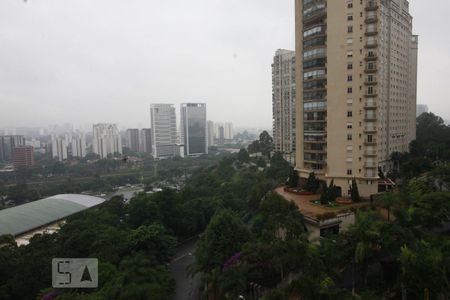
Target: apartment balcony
371,142
371,19
370,153
314,120
371,83
370,165
370,117
371,70
370,174
371,45
370,129
372,6
371,57
373,95
315,16
318,162
315,151
371,32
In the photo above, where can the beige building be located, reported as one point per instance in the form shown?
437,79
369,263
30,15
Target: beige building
356,71
283,101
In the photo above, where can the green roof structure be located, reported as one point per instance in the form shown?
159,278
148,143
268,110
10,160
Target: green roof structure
34,215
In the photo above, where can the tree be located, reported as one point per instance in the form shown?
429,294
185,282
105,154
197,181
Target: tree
266,143
243,156
330,194
293,179
355,192
312,183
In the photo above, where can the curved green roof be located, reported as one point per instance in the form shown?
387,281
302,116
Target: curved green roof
25,218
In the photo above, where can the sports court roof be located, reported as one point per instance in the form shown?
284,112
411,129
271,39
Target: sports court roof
25,218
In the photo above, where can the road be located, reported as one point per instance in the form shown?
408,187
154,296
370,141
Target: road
187,287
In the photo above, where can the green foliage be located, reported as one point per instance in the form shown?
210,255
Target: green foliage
223,237
243,156
293,179
356,198
330,194
312,183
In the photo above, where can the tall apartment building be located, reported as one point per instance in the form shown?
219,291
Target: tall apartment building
145,142
284,101
59,148
78,145
356,71
7,145
211,134
106,140
133,140
194,128
23,156
228,130
164,131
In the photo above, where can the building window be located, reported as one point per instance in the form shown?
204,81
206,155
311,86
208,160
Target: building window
349,17
349,125
349,172
349,114
349,137
349,90
349,78
350,54
349,66
350,29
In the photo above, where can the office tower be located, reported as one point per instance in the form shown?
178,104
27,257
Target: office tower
211,134
106,140
164,131
421,109
59,148
356,92
78,145
145,141
283,101
133,140
23,156
7,145
194,128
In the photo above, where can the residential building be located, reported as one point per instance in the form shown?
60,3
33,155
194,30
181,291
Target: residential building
228,131
78,145
59,148
284,101
194,129
145,140
211,134
164,131
106,140
356,88
133,140
7,145
23,156
421,109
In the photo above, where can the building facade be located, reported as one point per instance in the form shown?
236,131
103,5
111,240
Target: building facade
106,140
284,101
23,156
164,131
133,140
194,128
145,141
7,145
211,134
356,70
59,148
78,145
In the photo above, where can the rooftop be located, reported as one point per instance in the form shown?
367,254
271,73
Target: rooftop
25,218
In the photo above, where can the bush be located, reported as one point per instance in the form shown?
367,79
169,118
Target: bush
312,183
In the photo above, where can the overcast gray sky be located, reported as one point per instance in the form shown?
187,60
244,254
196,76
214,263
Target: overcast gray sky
88,61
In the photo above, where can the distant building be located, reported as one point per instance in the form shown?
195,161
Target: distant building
78,146
283,101
421,109
106,140
194,128
145,141
133,140
59,148
7,145
211,134
23,156
164,131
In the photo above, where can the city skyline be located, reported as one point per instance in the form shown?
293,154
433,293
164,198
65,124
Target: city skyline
67,77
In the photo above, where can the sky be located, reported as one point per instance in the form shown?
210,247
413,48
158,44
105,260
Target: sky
92,61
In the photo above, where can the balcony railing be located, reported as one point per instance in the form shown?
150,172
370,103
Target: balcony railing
371,70
370,165
370,142
370,117
370,129
370,153
371,45
371,6
371,57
